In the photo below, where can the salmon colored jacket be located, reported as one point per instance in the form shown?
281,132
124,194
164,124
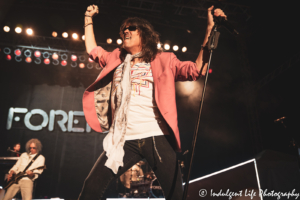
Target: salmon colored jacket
166,69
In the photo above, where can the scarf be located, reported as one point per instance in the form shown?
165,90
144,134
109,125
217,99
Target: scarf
113,143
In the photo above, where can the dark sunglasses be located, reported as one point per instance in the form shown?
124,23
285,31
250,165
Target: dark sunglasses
32,147
130,28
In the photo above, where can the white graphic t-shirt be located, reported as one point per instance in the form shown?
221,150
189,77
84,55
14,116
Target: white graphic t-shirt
143,117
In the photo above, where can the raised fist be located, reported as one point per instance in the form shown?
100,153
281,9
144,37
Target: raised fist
92,10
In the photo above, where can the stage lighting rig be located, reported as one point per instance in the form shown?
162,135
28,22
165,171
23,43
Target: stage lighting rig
18,30
29,31
6,28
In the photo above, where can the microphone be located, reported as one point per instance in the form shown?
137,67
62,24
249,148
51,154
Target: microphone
225,23
279,119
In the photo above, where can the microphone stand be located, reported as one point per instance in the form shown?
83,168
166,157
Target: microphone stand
212,45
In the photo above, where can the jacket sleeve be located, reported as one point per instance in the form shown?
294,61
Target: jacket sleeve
184,70
17,165
99,55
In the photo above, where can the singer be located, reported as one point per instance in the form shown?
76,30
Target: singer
133,99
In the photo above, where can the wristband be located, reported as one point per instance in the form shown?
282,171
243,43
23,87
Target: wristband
87,25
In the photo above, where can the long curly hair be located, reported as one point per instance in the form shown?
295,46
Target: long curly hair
37,143
150,38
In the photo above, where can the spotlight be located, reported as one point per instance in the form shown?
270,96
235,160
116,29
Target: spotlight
27,53
47,61
81,58
54,34
37,61
75,36
109,41
55,62
8,57
65,34
18,58
175,48
158,45
83,37
28,60
184,49
54,56
74,58
81,65
166,46
7,50
73,64
6,28
18,29
89,66
63,63
119,41
37,54
29,31
18,52
46,54
64,56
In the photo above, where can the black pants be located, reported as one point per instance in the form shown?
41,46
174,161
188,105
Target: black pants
167,172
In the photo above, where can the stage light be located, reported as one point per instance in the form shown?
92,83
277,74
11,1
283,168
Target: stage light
75,36
18,29
158,45
73,64
65,34
184,49
7,50
47,61
89,66
166,46
210,71
27,53
8,57
28,60
46,54
55,62
54,34
29,31
175,48
90,60
6,28
81,65
64,56
18,52
119,41
18,58
37,61
63,63
37,54
81,58
83,37
54,56
74,58
109,41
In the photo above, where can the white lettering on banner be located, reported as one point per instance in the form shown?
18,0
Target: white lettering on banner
51,119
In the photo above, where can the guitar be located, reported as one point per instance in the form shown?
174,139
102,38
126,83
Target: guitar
16,177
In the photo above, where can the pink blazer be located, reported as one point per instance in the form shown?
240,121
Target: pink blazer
166,69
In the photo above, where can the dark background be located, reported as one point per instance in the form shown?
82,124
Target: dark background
251,84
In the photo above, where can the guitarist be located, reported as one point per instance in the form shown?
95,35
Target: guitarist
25,184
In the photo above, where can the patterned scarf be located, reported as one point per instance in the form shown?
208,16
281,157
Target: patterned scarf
113,143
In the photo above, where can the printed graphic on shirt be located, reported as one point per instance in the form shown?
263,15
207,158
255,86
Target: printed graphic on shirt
141,76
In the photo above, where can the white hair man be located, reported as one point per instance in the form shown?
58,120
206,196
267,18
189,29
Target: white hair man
25,184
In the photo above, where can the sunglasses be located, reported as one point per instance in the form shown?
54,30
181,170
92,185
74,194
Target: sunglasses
130,28
32,147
